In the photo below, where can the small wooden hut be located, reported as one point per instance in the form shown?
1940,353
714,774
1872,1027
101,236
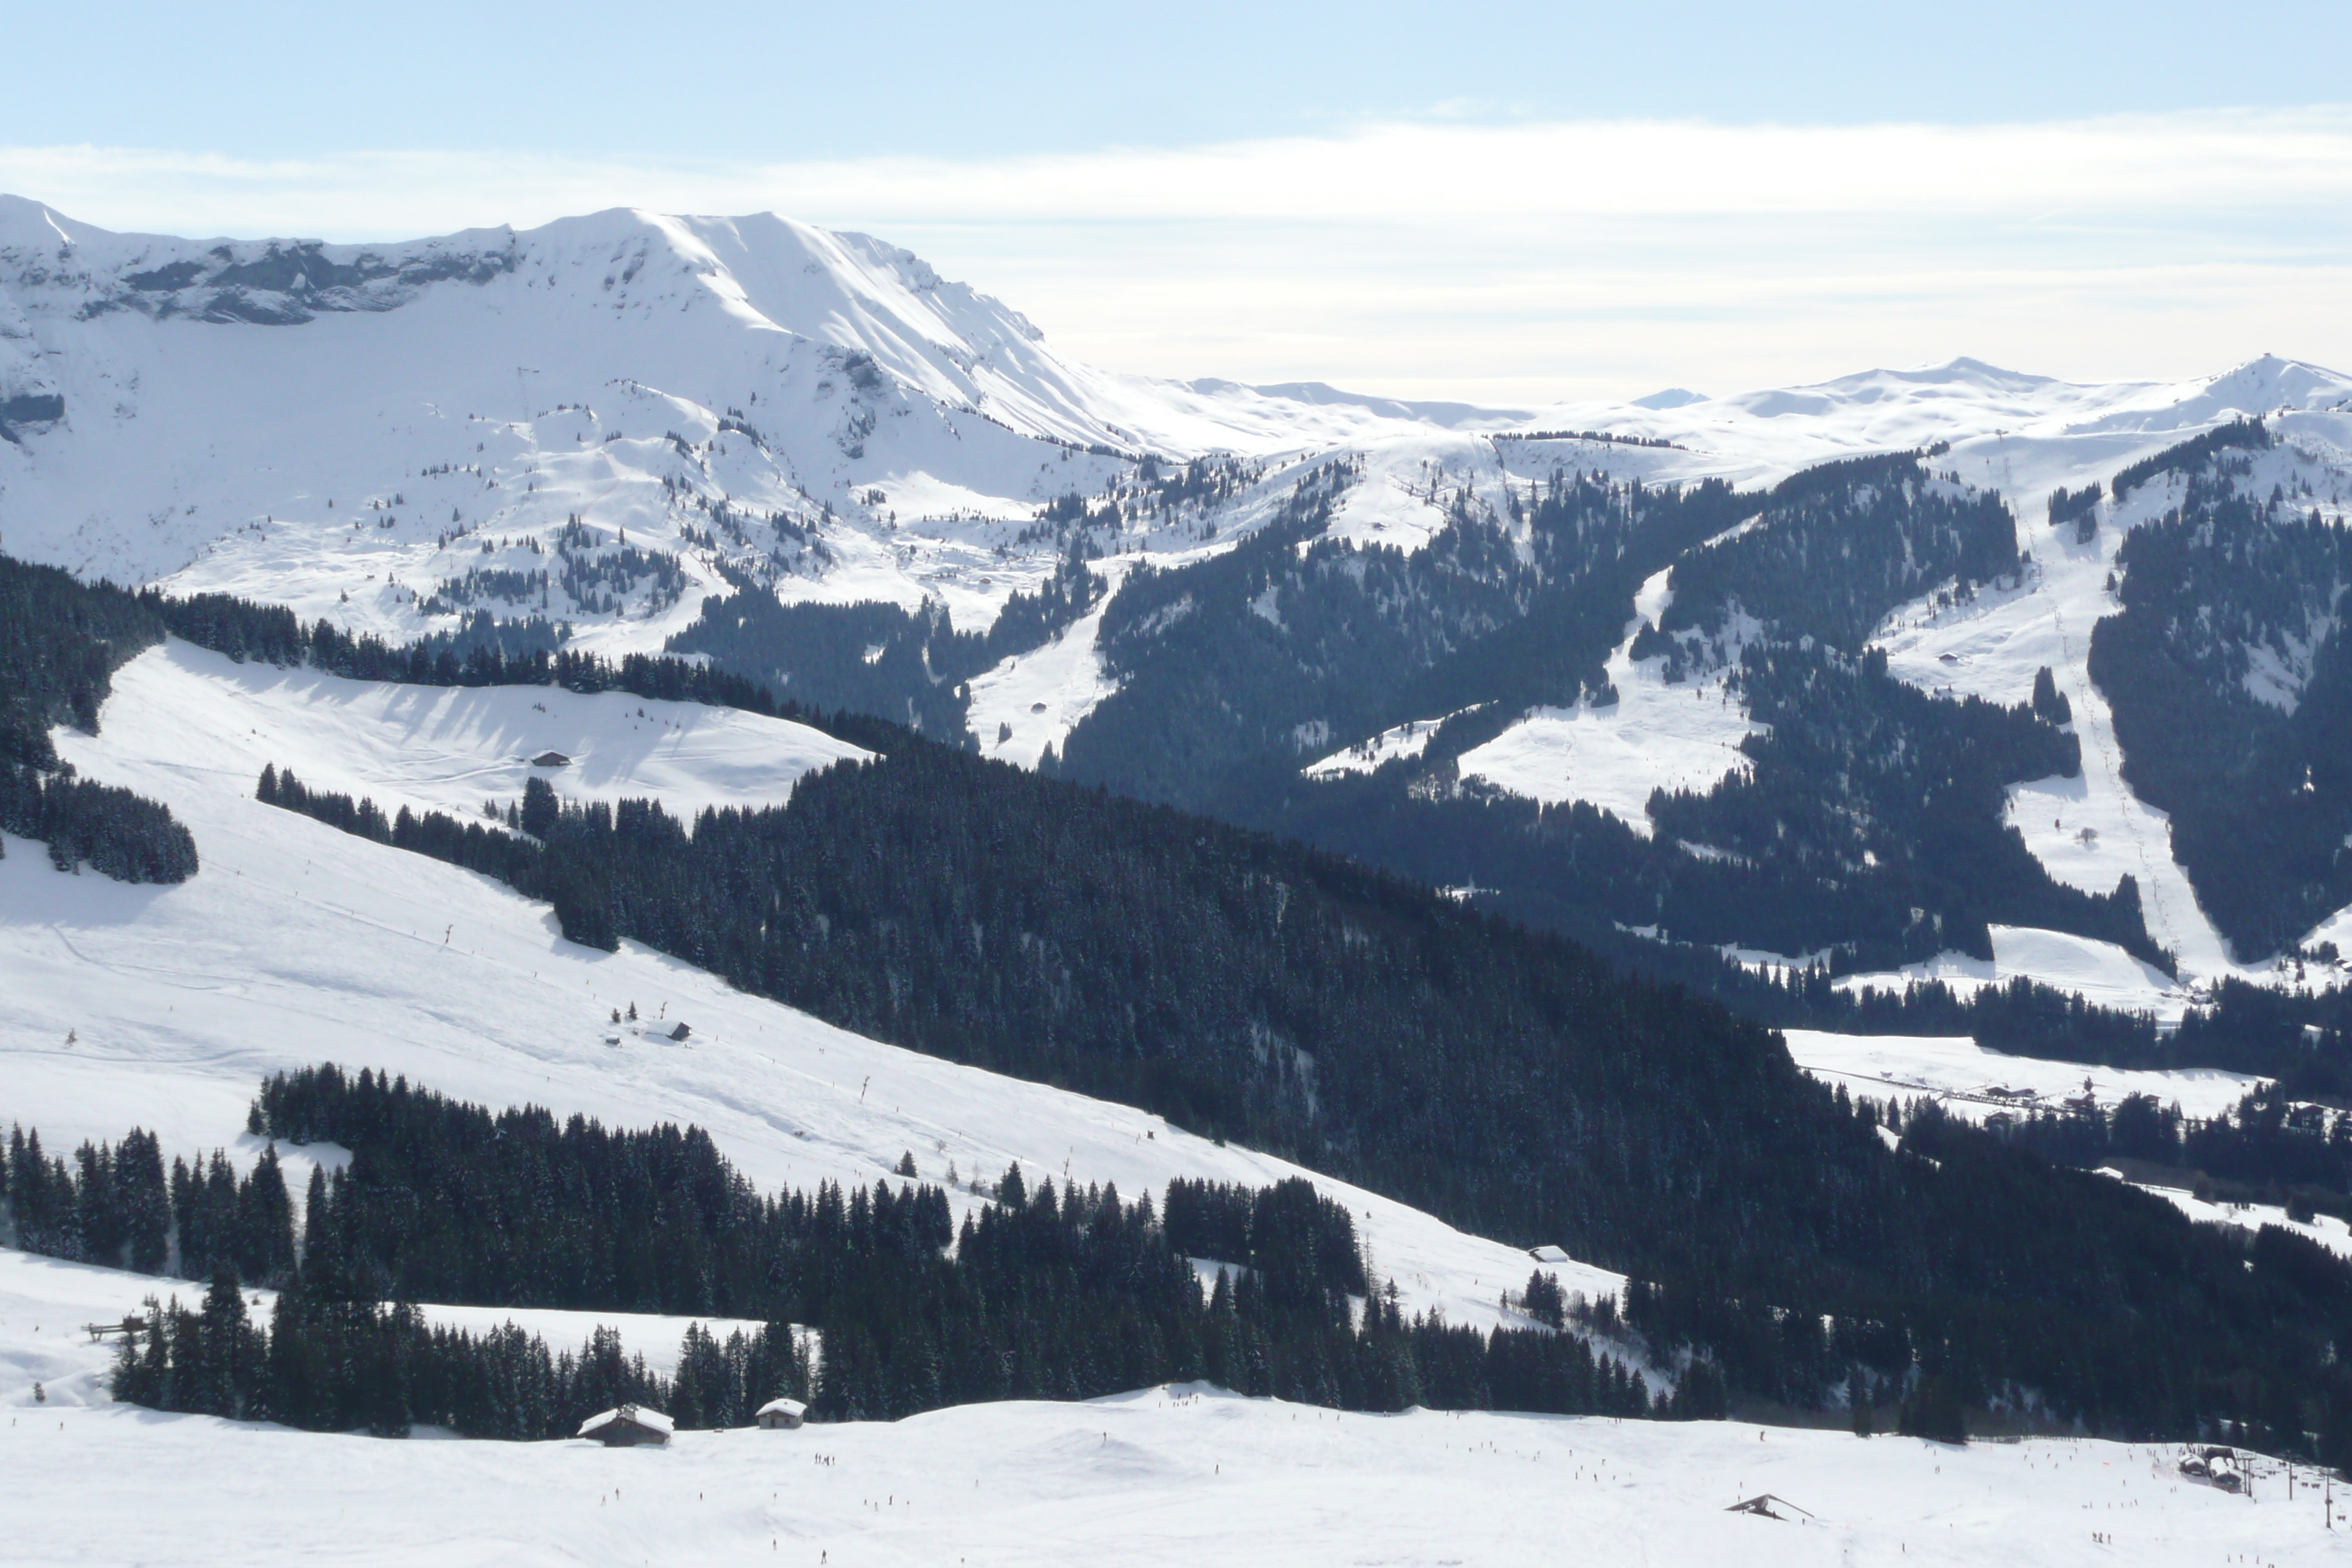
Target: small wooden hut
781,1414
550,759
628,1426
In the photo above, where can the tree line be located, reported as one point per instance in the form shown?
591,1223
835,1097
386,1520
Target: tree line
1042,1294
61,643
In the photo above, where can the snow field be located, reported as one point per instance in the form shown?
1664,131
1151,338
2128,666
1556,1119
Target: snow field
1042,695
452,748
1173,1476
1959,1073
1657,736
1406,741
2102,971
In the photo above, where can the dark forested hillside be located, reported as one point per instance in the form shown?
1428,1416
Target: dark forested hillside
1834,548
2231,688
912,667
1237,670
1869,825
1505,1079
1874,812
60,643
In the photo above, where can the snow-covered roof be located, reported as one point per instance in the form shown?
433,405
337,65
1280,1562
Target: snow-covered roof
635,1414
783,1408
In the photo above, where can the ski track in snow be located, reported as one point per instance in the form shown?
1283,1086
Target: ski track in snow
2090,830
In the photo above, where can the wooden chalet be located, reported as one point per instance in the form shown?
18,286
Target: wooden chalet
630,1426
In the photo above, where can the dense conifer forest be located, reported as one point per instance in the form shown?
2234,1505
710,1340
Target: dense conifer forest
911,668
2232,690
1868,825
2087,1303
1234,672
1041,1294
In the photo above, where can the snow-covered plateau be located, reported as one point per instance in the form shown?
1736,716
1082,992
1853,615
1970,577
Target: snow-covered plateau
1162,1476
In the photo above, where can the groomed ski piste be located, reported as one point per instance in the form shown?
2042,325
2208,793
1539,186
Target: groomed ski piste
162,1006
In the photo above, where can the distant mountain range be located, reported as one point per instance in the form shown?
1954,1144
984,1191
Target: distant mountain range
806,456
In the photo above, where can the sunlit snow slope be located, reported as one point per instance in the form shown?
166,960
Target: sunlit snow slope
296,943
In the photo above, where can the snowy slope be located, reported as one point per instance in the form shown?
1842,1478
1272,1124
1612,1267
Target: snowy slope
222,414
1655,736
2090,830
439,748
1163,1477
298,943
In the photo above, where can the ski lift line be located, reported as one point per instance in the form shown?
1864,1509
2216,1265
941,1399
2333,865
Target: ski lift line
2100,723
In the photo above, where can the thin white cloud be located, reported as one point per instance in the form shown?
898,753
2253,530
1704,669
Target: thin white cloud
1519,262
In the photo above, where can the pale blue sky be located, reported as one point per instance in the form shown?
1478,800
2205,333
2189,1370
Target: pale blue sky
1507,202
769,82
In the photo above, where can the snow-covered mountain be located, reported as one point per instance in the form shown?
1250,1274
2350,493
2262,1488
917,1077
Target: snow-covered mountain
610,419
312,421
